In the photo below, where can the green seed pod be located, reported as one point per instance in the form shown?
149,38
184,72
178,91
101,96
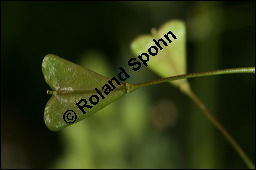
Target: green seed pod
168,52
77,92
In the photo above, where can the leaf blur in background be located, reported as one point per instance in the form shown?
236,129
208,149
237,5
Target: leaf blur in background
155,127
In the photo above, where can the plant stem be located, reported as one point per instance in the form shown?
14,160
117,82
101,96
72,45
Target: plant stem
132,87
224,132
194,98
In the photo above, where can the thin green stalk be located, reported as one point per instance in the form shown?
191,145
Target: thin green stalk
224,132
231,140
132,87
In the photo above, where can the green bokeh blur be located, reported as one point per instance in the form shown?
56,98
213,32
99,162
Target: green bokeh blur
155,127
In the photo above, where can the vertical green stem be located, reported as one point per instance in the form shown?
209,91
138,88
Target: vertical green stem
231,140
225,133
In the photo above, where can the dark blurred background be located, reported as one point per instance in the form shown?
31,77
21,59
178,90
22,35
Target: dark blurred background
155,127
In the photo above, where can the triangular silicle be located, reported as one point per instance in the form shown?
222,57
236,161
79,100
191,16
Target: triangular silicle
72,85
